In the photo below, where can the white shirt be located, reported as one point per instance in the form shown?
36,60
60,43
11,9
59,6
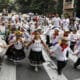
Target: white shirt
77,51
47,30
36,46
56,21
73,37
61,55
55,40
65,23
2,29
18,45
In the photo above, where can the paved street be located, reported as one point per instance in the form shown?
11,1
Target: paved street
23,71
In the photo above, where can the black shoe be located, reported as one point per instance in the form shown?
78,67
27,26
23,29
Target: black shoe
75,67
59,72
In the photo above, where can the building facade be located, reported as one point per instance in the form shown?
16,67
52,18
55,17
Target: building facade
68,7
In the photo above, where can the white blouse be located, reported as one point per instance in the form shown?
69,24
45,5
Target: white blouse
18,45
36,46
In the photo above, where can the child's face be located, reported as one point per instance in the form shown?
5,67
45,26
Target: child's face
66,33
56,31
37,34
64,41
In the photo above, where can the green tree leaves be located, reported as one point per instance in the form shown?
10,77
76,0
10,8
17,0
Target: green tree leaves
39,6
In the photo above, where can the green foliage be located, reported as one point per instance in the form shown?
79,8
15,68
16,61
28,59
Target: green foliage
60,7
39,6
43,6
23,5
36,6
1,1
4,1
4,4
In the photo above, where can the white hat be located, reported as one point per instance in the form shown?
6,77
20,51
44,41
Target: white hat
56,29
66,30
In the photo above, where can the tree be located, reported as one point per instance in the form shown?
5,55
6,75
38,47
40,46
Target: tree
43,6
4,4
4,1
23,5
60,7
39,6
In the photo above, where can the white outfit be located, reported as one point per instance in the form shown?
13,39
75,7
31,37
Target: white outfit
65,24
61,55
18,45
55,40
73,37
77,51
36,46
56,21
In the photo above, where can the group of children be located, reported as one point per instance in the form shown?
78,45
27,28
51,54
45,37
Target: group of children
18,31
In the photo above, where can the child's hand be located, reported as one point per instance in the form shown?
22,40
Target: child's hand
51,53
4,46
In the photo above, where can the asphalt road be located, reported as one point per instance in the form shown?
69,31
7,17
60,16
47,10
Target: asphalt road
23,71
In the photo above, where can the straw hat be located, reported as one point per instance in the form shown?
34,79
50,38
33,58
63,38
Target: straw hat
64,39
18,32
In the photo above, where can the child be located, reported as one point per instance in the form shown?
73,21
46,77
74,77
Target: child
15,52
72,25
35,56
61,51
